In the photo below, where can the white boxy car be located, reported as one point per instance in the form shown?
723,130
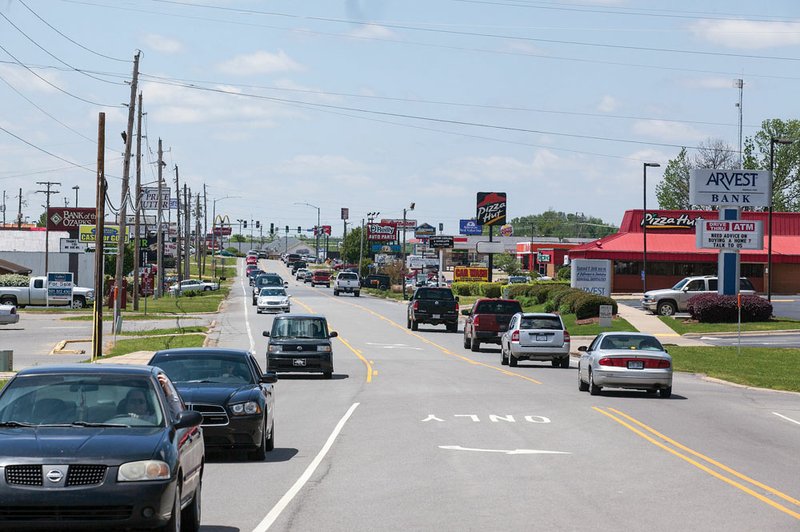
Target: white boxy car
273,299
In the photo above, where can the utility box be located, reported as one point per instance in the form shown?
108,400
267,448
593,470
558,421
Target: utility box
6,360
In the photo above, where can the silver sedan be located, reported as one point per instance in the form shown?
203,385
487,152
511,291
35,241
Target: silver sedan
8,315
625,360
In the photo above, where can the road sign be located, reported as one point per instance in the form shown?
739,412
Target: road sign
730,234
440,241
72,245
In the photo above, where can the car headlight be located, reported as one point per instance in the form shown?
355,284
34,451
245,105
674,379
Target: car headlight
245,409
274,349
325,348
143,470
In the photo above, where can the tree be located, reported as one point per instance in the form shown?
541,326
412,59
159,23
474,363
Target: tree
508,263
351,244
561,225
786,170
673,190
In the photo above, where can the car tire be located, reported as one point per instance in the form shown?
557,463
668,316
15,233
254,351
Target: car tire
513,362
192,514
583,386
174,523
565,362
452,327
474,345
78,302
414,325
206,289
556,362
357,293
408,322
503,357
336,292
466,341
665,392
593,388
11,301
666,308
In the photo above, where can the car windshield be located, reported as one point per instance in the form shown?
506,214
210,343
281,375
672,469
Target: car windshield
205,368
644,343
541,322
680,284
81,400
272,292
316,328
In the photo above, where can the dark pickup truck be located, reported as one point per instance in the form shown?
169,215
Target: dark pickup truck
433,305
488,320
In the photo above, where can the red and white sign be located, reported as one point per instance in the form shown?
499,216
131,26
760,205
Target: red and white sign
70,218
381,232
322,230
399,223
730,234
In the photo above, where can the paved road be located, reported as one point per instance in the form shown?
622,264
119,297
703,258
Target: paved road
414,432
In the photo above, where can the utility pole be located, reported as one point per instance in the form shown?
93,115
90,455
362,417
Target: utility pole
76,188
48,192
187,215
160,233
205,224
138,207
124,194
178,236
4,208
97,331
200,239
19,212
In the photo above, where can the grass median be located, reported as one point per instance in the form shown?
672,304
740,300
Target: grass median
156,343
687,326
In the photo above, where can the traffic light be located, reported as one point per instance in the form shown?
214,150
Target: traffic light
244,224
299,229
287,229
271,228
258,224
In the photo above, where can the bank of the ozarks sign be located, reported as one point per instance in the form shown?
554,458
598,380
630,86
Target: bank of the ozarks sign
70,218
684,221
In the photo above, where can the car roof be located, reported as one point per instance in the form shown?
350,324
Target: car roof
539,315
289,316
89,369
202,351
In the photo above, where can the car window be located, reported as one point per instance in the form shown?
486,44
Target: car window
541,322
698,285
348,276
745,284
316,328
631,342
712,285
680,284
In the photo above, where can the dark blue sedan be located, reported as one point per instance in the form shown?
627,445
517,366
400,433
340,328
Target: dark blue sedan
98,446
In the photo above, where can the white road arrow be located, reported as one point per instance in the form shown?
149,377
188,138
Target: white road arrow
503,451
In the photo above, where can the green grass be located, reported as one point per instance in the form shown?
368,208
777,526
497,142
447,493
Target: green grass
129,316
123,347
592,329
174,330
777,369
683,326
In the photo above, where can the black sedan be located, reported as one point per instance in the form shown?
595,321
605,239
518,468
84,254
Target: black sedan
228,388
94,446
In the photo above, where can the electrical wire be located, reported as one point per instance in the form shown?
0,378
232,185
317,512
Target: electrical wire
51,154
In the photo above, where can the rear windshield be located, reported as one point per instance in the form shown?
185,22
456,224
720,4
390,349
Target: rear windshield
541,322
348,276
645,343
498,307
269,280
433,293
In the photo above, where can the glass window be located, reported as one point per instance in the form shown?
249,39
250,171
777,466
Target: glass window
299,328
698,285
542,322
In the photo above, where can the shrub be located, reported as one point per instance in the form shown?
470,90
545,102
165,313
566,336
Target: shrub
714,308
558,296
567,300
465,288
490,289
564,273
14,279
588,306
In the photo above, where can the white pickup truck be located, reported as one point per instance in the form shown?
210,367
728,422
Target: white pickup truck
35,294
347,282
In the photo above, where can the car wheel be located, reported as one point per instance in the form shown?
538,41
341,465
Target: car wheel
174,523
666,308
206,289
503,357
357,293
474,345
336,292
582,385
466,341
414,325
565,362
513,362
190,520
556,362
78,302
452,327
408,322
593,388
665,392
12,301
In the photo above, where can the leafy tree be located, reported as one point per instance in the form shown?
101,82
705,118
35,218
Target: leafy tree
238,238
561,225
351,245
508,263
786,169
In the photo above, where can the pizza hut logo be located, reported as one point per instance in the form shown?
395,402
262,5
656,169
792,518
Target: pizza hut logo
491,208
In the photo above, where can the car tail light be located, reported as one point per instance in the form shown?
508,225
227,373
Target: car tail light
566,337
657,364
415,306
608,361
476,321
649,363
515,336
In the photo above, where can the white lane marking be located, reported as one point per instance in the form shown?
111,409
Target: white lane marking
295,489
504,451
786,418
247,318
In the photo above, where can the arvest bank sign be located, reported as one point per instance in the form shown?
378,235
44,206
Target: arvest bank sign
743,188
70,218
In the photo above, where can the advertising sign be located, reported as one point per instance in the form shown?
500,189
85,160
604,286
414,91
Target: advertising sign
417,262
386,248
469,227
592,275
70,218
170,249
440,241
345,213
150,198
684,221
470,273
110,234
490,247
381,232
59,286
424,230
322,230
730,234
221,230
71,245
506,230
399,222
491,208
744,188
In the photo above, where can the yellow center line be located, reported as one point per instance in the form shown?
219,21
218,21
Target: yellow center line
700,466
355,351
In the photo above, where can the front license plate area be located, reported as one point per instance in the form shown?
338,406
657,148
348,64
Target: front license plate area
635,364
299,362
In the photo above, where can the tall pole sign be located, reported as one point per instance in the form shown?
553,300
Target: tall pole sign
491,211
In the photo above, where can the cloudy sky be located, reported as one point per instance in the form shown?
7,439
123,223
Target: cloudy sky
374,104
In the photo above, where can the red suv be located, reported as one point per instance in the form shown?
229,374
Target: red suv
321,277
252,259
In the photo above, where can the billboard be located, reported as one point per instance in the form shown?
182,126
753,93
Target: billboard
381,232
110,234
743,188
424,230
470,273
469,227
150,198
70,218
491,208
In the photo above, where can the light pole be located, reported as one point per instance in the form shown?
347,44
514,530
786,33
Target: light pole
772,142
644,222
241,233
316,229
403,267
75,188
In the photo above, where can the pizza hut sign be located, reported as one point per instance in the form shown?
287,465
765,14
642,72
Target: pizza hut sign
491,208
381,232
70,218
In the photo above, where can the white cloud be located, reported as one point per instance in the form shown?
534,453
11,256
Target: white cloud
165,45
23,80
260,62
372,31
748,34
668,131
608,104
709,83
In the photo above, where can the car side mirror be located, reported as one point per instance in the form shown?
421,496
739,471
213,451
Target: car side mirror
265,333
286,284
333,334
188,418
583,348
457,300
465,311
269,377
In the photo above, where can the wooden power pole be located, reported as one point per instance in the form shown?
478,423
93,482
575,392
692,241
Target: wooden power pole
138,207
97,330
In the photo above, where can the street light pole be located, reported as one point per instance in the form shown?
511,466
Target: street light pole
403,267
644,222
316,229
772,142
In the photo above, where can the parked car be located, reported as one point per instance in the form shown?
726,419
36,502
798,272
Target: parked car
300,343
8,315
535,336
488,320
193,285
379,281
235,397
35,294
668,301
348,283
273,299
627,360
518,279
433,305
321,277
267,279
98,446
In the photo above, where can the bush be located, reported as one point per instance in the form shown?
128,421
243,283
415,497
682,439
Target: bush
714,308
490,289
567,300
14,279
588,306
564,273
465,288
558,296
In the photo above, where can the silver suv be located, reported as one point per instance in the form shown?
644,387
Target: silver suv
668,301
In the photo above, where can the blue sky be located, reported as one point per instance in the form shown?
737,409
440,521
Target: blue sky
374,104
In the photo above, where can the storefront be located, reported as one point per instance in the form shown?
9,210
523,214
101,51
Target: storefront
672,252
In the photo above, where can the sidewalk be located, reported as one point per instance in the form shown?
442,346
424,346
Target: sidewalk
648,323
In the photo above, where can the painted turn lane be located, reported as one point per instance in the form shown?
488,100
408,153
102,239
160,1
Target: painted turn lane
722,472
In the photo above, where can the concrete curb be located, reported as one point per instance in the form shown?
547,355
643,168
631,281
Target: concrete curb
743,333
59,349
